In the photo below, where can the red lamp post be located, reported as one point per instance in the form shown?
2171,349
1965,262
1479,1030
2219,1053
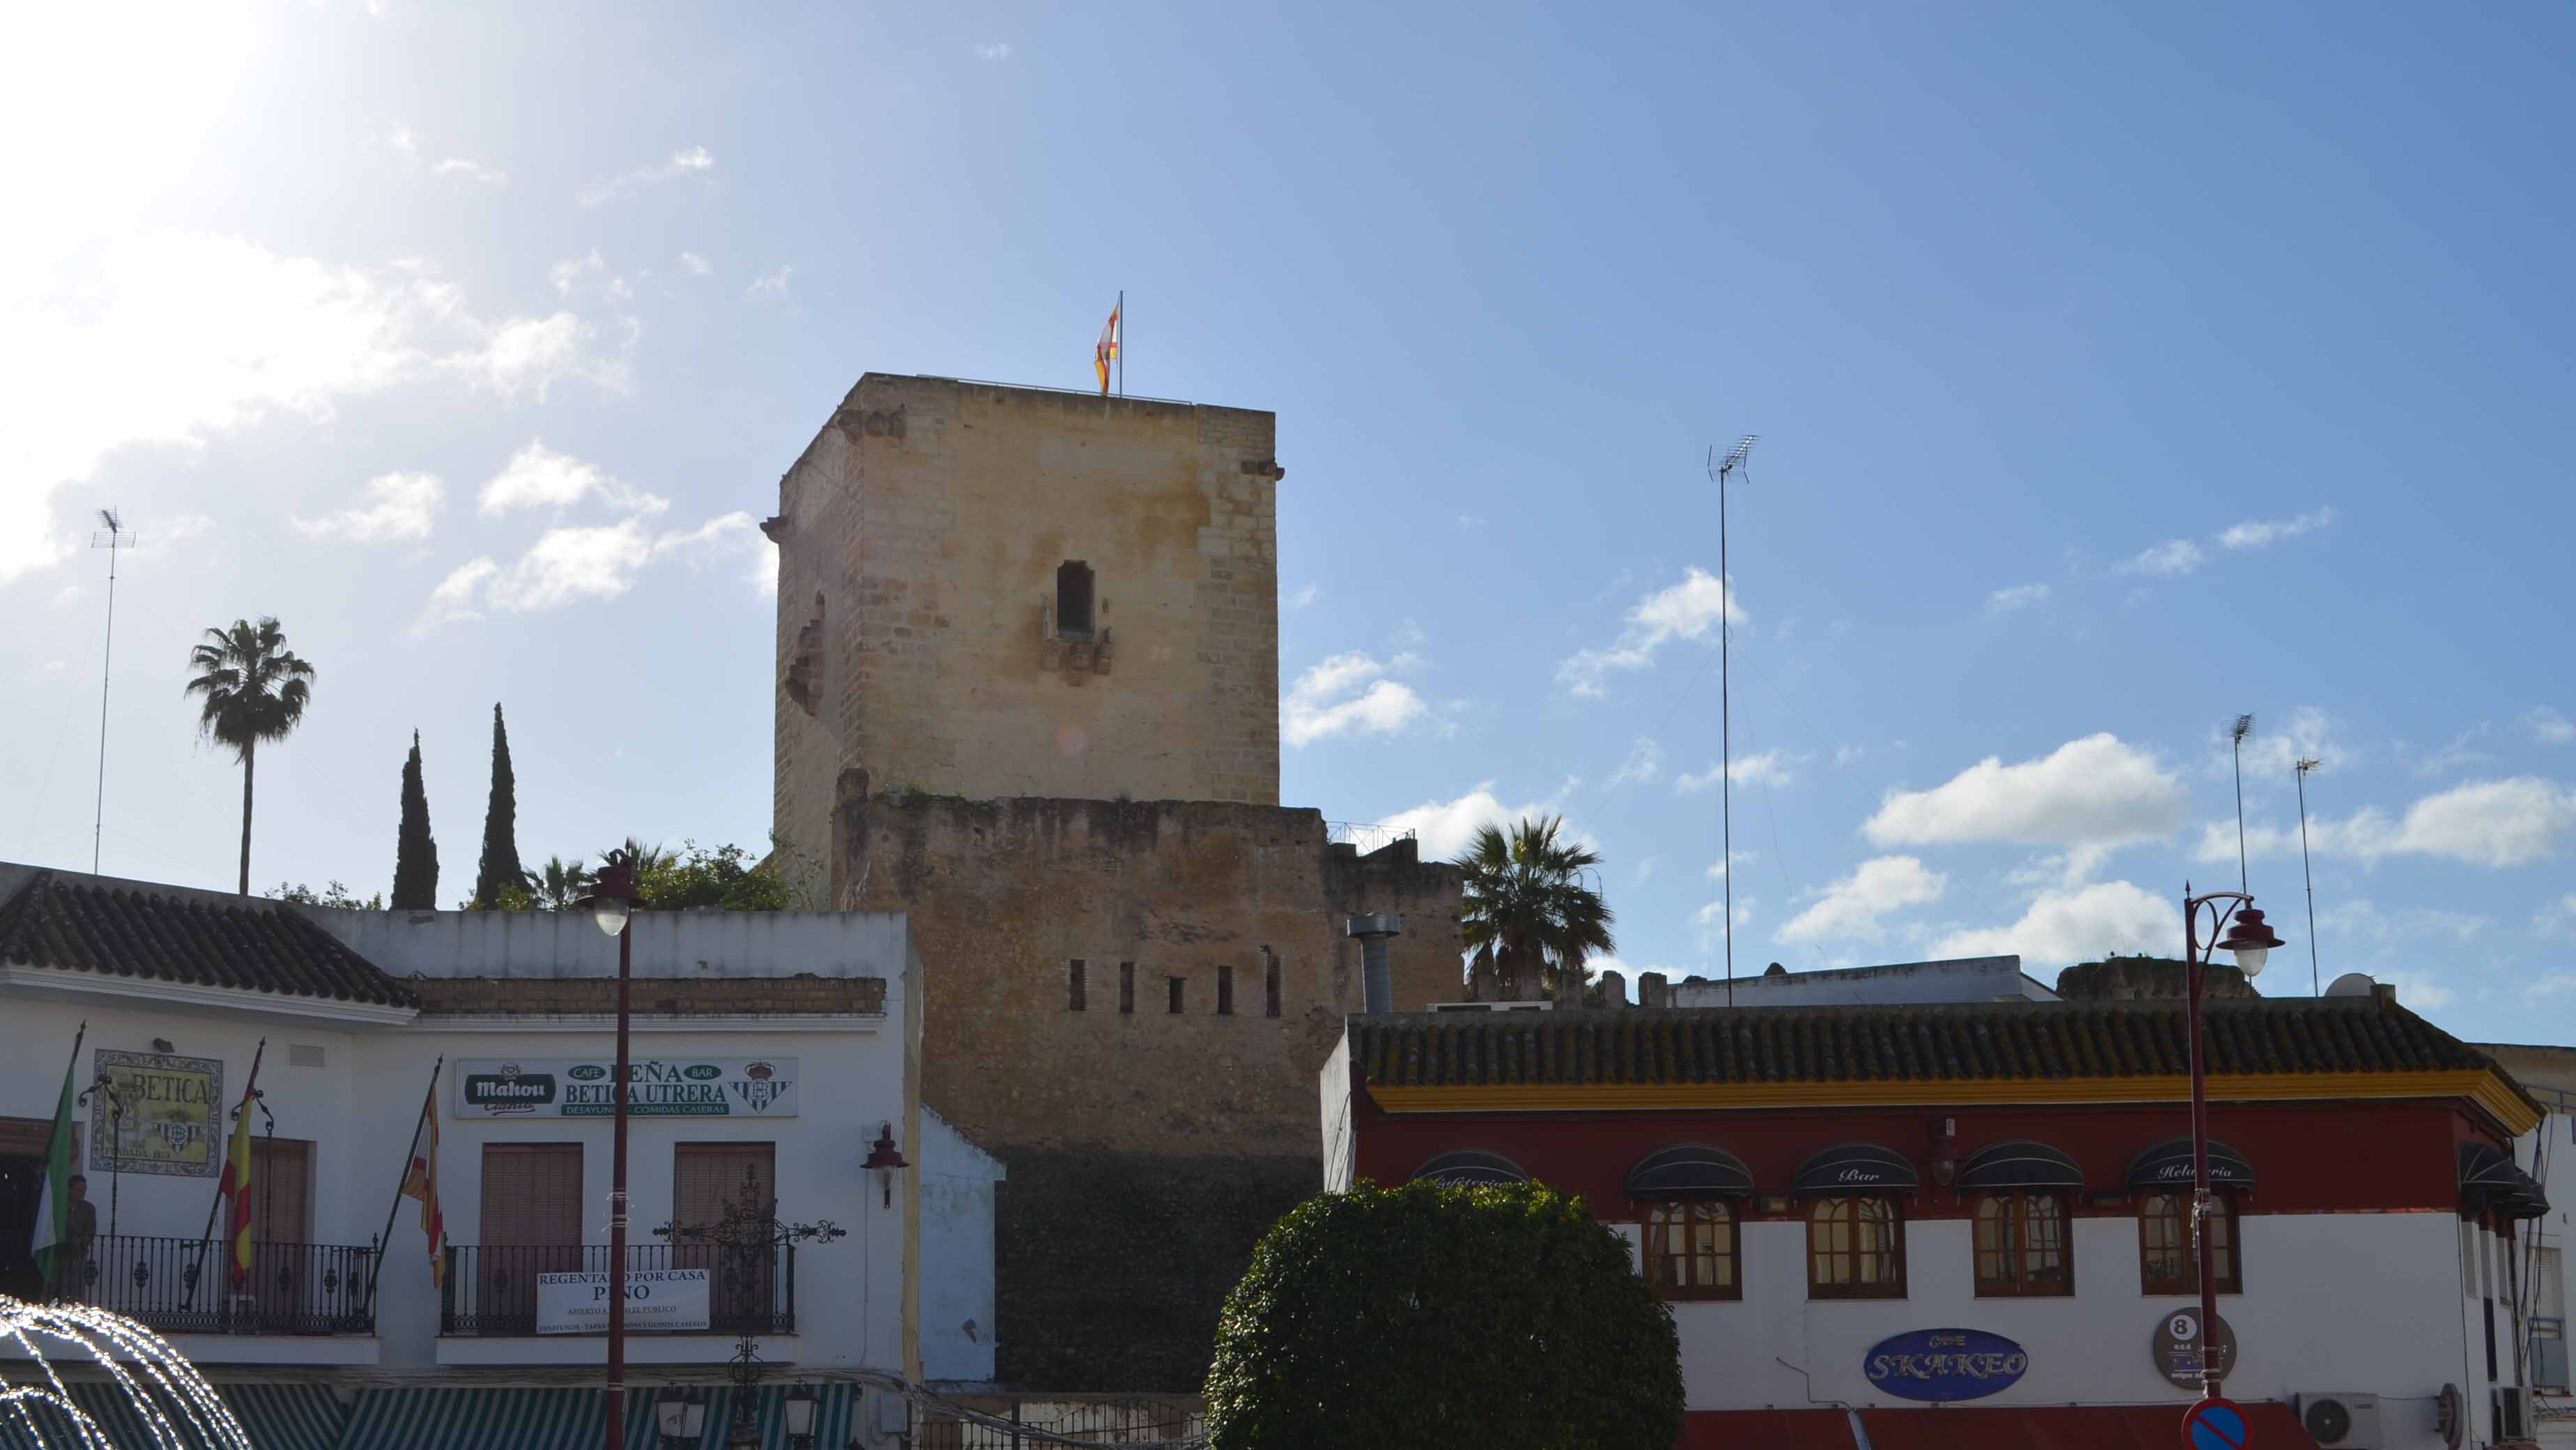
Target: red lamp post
612,902
2251,940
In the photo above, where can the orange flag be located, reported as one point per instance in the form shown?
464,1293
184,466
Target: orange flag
422,1183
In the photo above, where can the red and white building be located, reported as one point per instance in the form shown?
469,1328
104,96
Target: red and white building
1822,1192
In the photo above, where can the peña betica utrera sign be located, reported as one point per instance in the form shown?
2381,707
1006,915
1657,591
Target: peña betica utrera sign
663,1087
1944,1364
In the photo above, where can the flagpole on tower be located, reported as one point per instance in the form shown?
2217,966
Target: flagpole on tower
1120,341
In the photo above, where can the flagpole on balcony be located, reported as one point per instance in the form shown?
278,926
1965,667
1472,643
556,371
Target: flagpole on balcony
197,1269
384,1241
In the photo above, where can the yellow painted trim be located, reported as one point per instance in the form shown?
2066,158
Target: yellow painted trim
2486,1087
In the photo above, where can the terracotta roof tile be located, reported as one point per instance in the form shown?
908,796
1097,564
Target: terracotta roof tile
255,946
2002,1041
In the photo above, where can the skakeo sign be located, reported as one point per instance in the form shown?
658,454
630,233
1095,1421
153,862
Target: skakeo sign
1944,1364
666,1087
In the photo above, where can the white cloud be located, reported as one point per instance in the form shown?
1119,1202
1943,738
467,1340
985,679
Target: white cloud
2078,924
772,287
571,270
2171,558
399,506
538,477
405,143
2263,533
567,564
1850,908
1347,694
471,171
1717,869
682,163
993,50
2361,919
529,355
2558,918
455,596
2554,984
1445,827
2019,596
1763,767
1846,754
695,263
1645,762
1304,598
2460,753
2418,992
2549,727
2097,791
733,534
2494,823
1688,610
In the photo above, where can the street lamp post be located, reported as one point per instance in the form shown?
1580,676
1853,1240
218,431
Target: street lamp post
2251,940
746,1238
612,904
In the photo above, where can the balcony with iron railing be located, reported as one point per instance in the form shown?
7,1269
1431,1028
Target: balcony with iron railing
186,1287
491,1289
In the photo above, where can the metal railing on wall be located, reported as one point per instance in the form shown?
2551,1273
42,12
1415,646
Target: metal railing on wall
1365,835
186,1286
491,1289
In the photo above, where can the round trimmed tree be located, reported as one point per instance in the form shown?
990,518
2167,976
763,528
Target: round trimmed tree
1504,1317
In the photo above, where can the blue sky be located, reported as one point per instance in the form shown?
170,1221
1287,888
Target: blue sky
2116,374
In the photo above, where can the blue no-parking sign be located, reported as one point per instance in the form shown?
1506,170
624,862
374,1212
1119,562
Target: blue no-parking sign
2215,1425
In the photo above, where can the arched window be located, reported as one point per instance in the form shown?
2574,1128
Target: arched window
1073,600
2023,1246
1692,1249
2168,1262
1855,1248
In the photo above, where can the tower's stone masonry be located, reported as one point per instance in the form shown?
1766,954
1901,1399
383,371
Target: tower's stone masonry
1028,694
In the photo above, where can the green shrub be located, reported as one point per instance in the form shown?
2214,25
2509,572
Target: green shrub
1428,1317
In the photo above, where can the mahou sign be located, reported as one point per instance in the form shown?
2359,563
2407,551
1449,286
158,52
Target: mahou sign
665,1087
1944,1364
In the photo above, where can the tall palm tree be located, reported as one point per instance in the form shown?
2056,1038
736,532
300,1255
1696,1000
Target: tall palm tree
1526,900
254,689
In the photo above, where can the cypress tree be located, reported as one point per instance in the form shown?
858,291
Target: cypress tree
500,865
415,854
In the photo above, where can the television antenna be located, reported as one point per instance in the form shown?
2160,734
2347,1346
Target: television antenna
2307,763
1719,471
2236,734
111,536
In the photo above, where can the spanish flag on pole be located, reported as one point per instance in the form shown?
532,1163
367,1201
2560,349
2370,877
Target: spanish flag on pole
1105,351
236,1190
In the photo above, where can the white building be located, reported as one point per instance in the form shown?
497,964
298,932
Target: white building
2548,1153
773,1052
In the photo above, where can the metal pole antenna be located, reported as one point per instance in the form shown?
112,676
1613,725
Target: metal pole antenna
2236,733
111,538
1721,471
2308,763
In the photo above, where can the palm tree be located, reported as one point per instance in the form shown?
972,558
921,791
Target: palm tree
1526,901
559,883
254,690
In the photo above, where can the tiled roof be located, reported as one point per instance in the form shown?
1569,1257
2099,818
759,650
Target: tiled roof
248,944
2000,1041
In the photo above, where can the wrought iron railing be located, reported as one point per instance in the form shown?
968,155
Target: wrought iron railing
491,1289
1368,836
186,1286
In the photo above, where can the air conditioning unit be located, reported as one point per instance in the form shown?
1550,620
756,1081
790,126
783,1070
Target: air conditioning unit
2513,1413
2341,1420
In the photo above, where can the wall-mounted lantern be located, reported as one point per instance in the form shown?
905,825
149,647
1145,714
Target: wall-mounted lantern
884,1160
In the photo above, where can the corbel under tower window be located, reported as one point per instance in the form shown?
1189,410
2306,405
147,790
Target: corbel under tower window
1073,600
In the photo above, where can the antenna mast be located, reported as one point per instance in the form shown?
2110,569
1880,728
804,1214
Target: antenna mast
1721,469
2236,734
2308,763
111,536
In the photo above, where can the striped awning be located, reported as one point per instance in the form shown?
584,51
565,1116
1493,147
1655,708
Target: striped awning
571,1419
288,1417
116,1419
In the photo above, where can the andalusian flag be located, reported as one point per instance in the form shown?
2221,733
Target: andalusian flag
236,1190
54,1203
1105,351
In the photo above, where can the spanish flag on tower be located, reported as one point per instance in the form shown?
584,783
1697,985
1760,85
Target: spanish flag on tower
236,1191
1105,351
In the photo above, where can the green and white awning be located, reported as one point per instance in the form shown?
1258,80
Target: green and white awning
274,1416
570,1419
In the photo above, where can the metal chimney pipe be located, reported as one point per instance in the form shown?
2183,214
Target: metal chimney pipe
1377,979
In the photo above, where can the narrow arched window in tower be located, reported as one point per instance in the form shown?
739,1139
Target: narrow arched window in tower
1073,600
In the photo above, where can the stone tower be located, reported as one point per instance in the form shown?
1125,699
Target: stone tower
988,591
1028,694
